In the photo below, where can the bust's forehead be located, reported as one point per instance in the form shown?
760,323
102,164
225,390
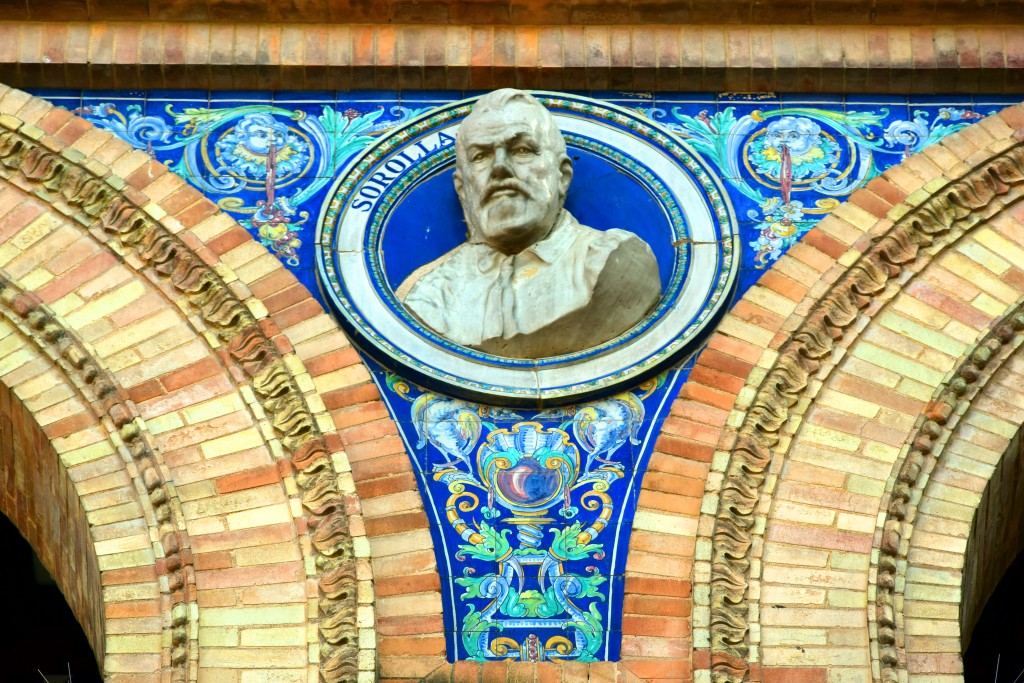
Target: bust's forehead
513,118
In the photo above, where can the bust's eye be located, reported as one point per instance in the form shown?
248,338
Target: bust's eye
522,151
480,155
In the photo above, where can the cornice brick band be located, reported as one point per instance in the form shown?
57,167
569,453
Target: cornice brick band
532,12
852,59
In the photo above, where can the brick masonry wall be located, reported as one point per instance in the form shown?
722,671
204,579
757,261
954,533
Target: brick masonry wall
238,488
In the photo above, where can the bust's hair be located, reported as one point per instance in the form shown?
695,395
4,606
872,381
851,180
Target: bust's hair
499,99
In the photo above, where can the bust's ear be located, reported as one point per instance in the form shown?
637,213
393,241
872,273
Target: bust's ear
566,170
457,180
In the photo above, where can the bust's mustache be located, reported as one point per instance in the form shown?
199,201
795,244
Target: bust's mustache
504,186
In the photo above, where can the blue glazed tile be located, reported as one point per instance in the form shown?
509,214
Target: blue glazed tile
625,98
322,97
222,98
940,100
828,101
995,102
189,95
428,98
116,94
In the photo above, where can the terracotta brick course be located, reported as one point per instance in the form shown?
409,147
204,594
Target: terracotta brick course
507,48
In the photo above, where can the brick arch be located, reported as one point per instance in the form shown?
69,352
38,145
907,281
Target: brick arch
955,482
39,492
189,342
844,340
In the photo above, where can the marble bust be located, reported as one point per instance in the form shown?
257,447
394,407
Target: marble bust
530,281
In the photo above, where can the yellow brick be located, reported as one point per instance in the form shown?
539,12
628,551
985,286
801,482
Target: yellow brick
254,658
164,423
397,544
883,358
798,637
196,491
675,525
981,277
35,231
408,605
119,545
65,304
851,522
208,410
989,305
121,361
795,512
817,434
924,335
847,403
242,254
130,592
232,443
119,298
218,636
115,514
311,328
797,557
131,334
134,558
257,268
991,424
849,561
922,312
816,656
133,643
252,616
914,389
276,676
745,331
1000,245
36,279
265,516
266,554
87,453
274,637
845,598
792,595
931,593
983,257
341,379
213,226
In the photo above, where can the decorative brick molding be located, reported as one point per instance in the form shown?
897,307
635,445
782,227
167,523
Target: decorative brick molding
649,56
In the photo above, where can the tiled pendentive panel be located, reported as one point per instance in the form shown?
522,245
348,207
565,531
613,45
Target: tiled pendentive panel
549,587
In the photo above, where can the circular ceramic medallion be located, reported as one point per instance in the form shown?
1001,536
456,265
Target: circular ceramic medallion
394,209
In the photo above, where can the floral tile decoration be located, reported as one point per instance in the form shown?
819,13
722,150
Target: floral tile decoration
531,509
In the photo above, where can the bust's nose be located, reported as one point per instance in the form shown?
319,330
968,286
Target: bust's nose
500,168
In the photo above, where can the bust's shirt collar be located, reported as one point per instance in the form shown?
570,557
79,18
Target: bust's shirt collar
548,250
